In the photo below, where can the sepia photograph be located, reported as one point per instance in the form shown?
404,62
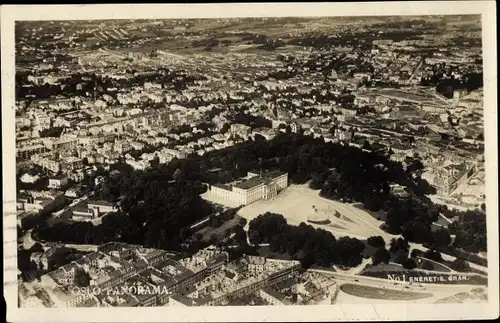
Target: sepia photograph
250,160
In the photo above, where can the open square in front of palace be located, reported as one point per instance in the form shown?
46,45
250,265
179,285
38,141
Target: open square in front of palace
299,203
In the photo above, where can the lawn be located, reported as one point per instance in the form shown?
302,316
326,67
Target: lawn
427,264
220,232
380,293
380,215
381,270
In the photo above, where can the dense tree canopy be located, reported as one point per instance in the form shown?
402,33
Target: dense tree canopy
51,132
376,241
155,204
304,242
381,256
409,264
470,231
152,211
82,278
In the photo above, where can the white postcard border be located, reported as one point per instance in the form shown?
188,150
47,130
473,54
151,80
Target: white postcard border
392,312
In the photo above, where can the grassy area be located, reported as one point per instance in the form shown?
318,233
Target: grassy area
468,270
461,254
296,204
380,293
382,268
220,232
380,215
426,264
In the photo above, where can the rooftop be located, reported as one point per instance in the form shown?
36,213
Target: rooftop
273,174
248,184
99,202
223,186
58,177
274,293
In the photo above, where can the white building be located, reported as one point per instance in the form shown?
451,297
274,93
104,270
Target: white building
93,210
27,178
448,178
240,130
253,188
58,182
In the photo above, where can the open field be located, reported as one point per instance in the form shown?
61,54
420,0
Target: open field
379,216
429,264
380,293
296,203
382,268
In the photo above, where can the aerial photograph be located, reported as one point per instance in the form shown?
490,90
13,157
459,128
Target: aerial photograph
250,162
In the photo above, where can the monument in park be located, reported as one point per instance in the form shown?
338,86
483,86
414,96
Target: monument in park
321,216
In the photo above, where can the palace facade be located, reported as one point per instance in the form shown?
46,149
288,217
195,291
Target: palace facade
252,188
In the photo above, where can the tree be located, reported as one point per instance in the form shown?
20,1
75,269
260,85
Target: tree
177,174
51,132
460,265
366,145
393,247
469,231
254,236
317,182
155,161
183,234
242,222
215,222
381,256
403,244
415,253
433,255
409,264
441,238
415,165
398,244
416,231
225,128
82,278
376,241
37,247
371,203
427,265
307,261
213,239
